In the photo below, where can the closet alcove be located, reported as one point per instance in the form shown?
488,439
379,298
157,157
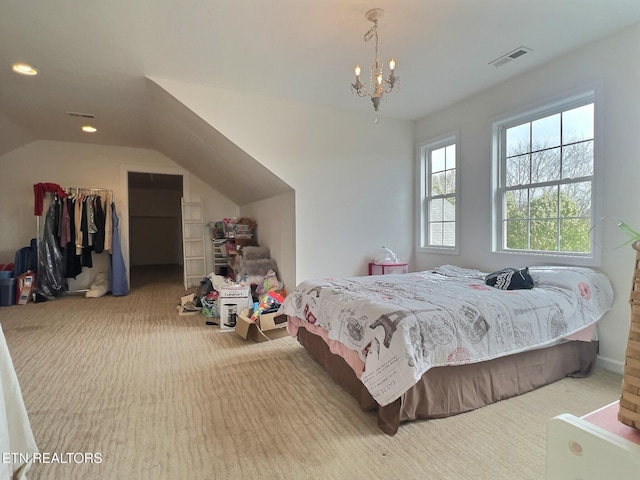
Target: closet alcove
155,226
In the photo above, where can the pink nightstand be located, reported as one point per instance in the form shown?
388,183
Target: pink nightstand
387,268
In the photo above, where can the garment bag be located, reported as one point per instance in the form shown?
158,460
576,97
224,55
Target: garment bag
50,280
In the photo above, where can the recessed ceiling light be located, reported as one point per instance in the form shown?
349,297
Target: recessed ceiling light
24,69
89,129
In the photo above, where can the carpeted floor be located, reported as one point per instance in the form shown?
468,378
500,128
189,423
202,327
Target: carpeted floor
162,396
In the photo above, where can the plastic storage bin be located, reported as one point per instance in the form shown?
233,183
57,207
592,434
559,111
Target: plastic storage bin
7,292
6,270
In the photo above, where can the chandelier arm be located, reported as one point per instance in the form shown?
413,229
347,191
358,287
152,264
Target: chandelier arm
360,93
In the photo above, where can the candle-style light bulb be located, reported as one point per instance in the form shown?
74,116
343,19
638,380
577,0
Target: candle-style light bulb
379,78
357,70
392,64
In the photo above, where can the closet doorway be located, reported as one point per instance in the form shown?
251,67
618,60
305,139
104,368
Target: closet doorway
155,228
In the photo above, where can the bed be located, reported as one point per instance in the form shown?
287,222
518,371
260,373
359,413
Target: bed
17,444
441,342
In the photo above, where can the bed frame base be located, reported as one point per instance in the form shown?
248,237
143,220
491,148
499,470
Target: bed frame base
446,391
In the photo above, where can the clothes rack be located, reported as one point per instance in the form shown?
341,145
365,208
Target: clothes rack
74,190
78,190
89,191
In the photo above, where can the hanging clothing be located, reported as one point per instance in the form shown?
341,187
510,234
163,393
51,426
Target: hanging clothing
50,281
99,221
73,266
87,213
85,251
57,216
39,189
79,225
108,223
65,224
118,283
91,221
77,213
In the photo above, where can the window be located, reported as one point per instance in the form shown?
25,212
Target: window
438,195
545,187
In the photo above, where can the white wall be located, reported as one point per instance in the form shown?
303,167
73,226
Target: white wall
275,218
609,63
353,179
73,164
11,135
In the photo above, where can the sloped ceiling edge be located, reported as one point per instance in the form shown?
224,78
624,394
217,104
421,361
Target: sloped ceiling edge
195,145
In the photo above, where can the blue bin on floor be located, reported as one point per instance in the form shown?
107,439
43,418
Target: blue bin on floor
7,292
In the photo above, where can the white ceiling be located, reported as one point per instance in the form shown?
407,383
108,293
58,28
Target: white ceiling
93,56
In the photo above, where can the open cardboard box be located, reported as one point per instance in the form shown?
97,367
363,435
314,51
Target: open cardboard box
268,326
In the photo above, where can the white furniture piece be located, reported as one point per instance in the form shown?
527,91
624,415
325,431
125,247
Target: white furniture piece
219,257
594,447
17,444
193,250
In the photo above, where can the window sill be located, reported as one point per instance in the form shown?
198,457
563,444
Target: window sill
577,260
439,250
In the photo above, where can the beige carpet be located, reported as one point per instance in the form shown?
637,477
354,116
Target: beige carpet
161,396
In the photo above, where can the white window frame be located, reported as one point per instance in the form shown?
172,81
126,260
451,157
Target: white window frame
587,95
424,150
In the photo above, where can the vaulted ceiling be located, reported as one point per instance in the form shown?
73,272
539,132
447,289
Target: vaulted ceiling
94,57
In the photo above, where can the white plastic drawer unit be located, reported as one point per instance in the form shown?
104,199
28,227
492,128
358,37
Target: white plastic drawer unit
594,447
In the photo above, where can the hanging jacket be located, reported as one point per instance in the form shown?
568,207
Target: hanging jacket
98,216
73,264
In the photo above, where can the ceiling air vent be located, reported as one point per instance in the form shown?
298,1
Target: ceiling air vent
81,115
517,53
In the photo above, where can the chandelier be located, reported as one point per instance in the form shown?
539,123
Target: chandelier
378,85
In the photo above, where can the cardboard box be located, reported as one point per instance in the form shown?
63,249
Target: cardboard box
24,284
268,326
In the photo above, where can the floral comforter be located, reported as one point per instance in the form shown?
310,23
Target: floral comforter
402,325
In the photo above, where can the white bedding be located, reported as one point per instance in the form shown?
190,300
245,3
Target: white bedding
402,325
16,438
